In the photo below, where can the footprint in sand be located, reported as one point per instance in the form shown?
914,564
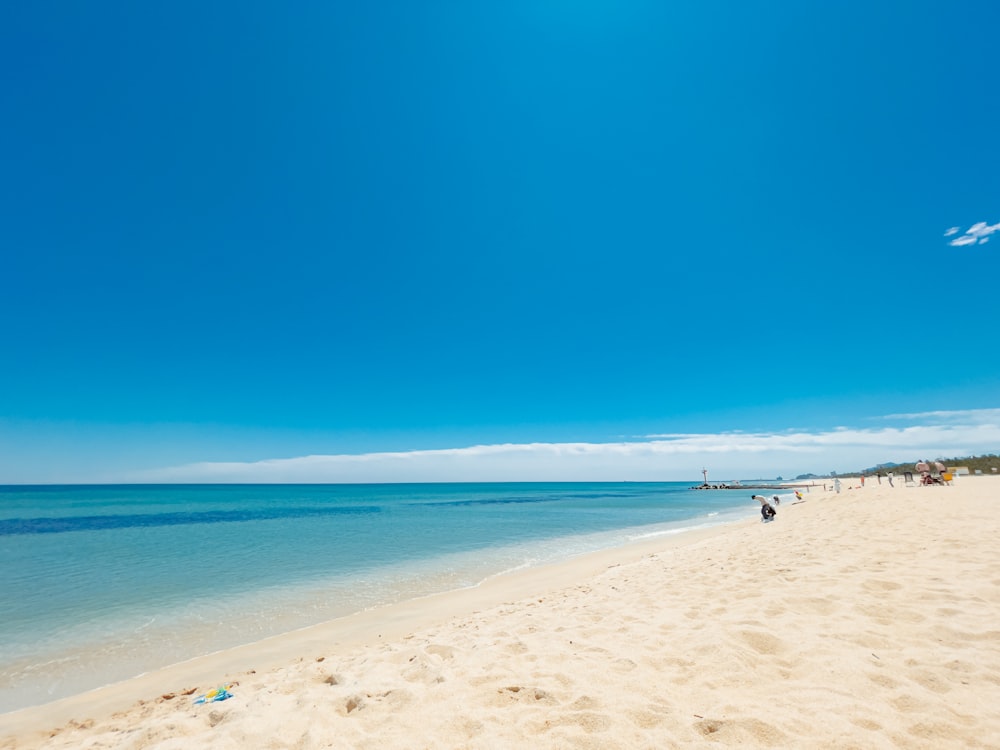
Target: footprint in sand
931,681
908,704
761,642
445,652
512,694
742,732
624,665
588,721
517,647
867,724
883,681
645,719
585,703
875,584
813,605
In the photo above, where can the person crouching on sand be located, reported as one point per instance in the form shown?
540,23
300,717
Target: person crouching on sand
767,512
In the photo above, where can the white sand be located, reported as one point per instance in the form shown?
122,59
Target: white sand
869,619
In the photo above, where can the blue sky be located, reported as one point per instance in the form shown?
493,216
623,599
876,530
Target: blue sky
243,233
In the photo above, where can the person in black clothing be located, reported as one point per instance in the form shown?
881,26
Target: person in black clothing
767,511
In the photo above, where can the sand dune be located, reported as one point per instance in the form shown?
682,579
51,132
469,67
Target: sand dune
869,619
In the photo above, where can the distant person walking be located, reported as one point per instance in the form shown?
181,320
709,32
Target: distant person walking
889,477
878,476
836,486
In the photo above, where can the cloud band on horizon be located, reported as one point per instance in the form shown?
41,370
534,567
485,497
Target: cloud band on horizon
655,458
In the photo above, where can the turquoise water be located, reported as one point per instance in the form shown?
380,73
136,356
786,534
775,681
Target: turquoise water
101,583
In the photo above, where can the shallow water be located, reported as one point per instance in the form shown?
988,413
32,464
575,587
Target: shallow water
100,583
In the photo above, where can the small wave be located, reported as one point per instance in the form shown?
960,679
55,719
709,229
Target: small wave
523,566
144,625
666,532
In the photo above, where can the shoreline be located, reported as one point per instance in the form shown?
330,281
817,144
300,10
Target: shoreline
864,619
195,601
555,551
350,631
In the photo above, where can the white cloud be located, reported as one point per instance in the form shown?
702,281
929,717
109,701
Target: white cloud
982,229
731,455
969,416
977,233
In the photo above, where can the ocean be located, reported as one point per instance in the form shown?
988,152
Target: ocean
102,583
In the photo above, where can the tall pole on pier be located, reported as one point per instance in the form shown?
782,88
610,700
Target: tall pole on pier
704,473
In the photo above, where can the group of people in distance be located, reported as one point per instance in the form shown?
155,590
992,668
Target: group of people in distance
925,472
768,512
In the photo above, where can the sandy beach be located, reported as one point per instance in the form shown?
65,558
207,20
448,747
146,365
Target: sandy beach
868,619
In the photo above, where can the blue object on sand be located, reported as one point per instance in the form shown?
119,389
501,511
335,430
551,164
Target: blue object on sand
219,694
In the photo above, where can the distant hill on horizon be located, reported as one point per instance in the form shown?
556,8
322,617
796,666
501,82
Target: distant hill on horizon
988,463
